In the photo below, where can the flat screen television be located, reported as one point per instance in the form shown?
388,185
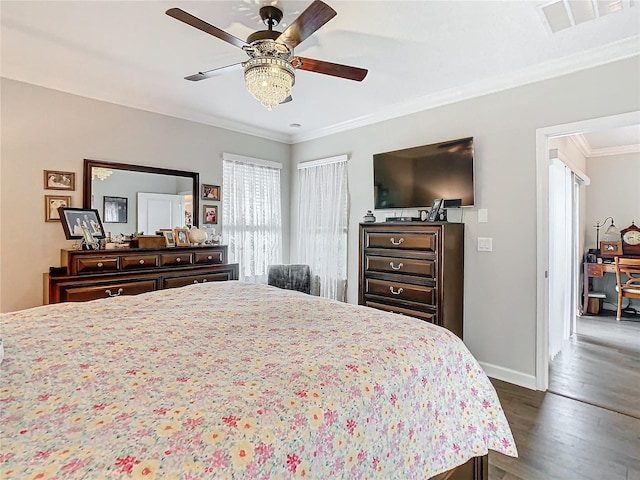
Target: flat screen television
415,177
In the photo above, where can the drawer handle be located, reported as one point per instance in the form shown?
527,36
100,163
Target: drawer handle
400,290
400,265
196,281
108,292
100,264
203,281
141,262
400,241
178,260
209,257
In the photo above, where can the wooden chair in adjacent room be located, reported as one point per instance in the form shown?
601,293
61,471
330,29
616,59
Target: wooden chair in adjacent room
627,287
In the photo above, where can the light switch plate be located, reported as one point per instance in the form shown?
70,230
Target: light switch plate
483,215
485,244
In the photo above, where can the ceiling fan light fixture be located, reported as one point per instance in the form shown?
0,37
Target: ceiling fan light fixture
269,80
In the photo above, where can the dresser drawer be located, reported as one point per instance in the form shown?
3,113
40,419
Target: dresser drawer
423,268
93,292
138,261
400,291
211,256
173,282
93,265
168,259
429,317
402,241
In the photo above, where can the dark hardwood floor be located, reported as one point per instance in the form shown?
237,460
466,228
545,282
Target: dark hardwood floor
566,435
601,365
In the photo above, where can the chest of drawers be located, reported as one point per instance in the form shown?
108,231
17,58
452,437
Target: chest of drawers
414,269
92,274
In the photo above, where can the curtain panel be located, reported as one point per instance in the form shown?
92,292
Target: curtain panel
252,217
323,225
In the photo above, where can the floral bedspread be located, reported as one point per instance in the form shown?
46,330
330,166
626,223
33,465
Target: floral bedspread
231,380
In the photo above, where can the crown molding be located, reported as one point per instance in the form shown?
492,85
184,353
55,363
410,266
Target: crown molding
589,152
588,59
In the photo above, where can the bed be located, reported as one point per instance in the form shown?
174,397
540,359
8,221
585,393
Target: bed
233,380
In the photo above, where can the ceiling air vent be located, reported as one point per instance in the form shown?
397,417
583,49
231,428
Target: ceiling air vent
562,14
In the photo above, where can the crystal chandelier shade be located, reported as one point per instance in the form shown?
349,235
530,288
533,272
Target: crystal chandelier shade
269,80
101,173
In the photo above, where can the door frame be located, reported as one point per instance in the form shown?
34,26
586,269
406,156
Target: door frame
542,220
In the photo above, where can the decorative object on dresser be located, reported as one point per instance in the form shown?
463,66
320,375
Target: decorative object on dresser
148,241
435,210
210,192
51,205
198,236
56,180
414,269
170,239
99,274
369,217
631,239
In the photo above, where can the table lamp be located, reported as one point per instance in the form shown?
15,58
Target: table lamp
611,230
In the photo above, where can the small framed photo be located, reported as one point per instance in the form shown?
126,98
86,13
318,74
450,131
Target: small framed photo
435,209
210,192
51,205
610,249
115,209
210,214
181,237
55,180
74,220
169,238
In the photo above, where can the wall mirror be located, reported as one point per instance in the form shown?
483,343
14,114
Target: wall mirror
137,198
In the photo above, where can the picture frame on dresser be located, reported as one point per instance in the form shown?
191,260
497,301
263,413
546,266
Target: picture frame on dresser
74,219
169,237
181,236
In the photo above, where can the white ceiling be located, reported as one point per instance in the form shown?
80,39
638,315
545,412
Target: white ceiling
419,54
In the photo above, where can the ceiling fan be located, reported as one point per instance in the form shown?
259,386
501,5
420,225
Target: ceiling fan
270,71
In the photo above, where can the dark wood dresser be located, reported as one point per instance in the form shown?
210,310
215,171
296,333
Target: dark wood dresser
92,274
414,269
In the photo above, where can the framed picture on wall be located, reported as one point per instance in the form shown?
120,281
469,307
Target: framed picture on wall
115,209
210,192
210,214
51,205
56,180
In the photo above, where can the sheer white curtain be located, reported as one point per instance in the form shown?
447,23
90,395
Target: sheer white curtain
323,223
251,215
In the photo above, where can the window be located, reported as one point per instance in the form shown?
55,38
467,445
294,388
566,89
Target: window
323,223
251,215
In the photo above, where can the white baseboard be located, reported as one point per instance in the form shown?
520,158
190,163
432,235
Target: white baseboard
510,376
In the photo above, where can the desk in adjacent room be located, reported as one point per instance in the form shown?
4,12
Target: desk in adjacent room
593,270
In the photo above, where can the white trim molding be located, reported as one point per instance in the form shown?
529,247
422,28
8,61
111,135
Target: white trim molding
232,157
323,161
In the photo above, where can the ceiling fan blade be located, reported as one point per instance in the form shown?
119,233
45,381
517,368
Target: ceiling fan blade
328,68
189,19
213,73
286,100
315,16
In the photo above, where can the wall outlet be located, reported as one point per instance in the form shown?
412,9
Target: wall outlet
485,244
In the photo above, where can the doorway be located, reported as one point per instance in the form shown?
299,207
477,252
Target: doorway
543,282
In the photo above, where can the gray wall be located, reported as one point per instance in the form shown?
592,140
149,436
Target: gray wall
44,129
500,286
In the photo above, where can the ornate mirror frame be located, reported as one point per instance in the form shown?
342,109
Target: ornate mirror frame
89,164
